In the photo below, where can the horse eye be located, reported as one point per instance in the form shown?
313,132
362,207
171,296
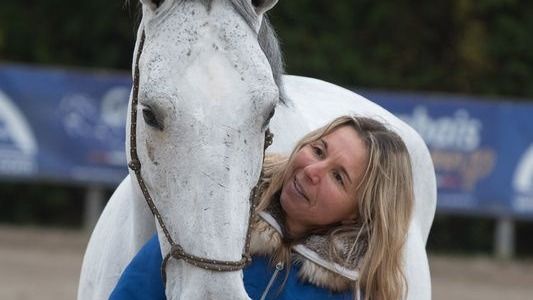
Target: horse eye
269,117
150,119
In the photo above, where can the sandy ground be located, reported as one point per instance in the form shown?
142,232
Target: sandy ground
45,264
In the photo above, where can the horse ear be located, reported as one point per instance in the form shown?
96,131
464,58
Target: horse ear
153,4
262,6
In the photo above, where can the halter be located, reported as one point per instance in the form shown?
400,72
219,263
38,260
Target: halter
176,250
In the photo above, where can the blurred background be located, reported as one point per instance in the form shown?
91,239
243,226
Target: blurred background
458,71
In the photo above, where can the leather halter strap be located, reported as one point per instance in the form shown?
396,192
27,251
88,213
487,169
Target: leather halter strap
176,250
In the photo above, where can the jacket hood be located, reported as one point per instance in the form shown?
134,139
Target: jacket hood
310,253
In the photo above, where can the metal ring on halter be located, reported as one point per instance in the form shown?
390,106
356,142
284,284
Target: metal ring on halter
176,250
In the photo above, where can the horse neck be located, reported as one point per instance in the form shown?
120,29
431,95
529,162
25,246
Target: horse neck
141,218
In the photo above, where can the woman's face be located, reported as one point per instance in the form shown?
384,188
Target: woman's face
321,182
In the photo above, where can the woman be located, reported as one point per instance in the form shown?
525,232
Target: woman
331,221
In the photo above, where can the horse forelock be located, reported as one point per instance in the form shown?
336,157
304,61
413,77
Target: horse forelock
268,42
267,39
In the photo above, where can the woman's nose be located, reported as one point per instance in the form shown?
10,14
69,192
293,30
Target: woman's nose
314,172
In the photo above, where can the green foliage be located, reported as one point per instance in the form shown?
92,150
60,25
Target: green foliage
524,239
41,204
467,46
480,47
94,33
461,235
472,236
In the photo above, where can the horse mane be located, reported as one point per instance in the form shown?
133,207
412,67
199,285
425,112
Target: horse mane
267,39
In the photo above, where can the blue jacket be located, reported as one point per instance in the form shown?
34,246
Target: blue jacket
142,280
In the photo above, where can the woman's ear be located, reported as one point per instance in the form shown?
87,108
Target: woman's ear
262,6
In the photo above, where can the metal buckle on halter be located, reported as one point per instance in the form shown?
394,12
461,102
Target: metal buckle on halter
135,165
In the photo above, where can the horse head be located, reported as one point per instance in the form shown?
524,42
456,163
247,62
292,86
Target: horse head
204,91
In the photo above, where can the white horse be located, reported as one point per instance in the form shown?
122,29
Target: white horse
209,73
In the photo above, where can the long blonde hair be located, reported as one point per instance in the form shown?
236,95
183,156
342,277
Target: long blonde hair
385,201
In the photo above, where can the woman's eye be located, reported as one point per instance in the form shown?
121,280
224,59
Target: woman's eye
150,119
338,178
318,151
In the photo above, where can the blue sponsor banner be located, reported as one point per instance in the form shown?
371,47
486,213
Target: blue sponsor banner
482,150
60,125
68,126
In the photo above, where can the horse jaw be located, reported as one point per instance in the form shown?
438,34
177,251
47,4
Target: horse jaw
206,79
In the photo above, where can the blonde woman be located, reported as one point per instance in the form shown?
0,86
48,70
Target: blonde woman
331,222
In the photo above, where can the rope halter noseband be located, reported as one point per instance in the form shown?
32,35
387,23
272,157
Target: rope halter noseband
176,250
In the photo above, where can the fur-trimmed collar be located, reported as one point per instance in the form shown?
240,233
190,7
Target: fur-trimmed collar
311,254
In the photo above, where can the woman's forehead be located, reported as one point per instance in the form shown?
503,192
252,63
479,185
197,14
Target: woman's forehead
346,146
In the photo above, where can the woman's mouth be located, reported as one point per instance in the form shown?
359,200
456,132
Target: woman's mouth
299,189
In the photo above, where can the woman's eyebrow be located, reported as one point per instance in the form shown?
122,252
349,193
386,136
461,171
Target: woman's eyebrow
346,174
325,143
